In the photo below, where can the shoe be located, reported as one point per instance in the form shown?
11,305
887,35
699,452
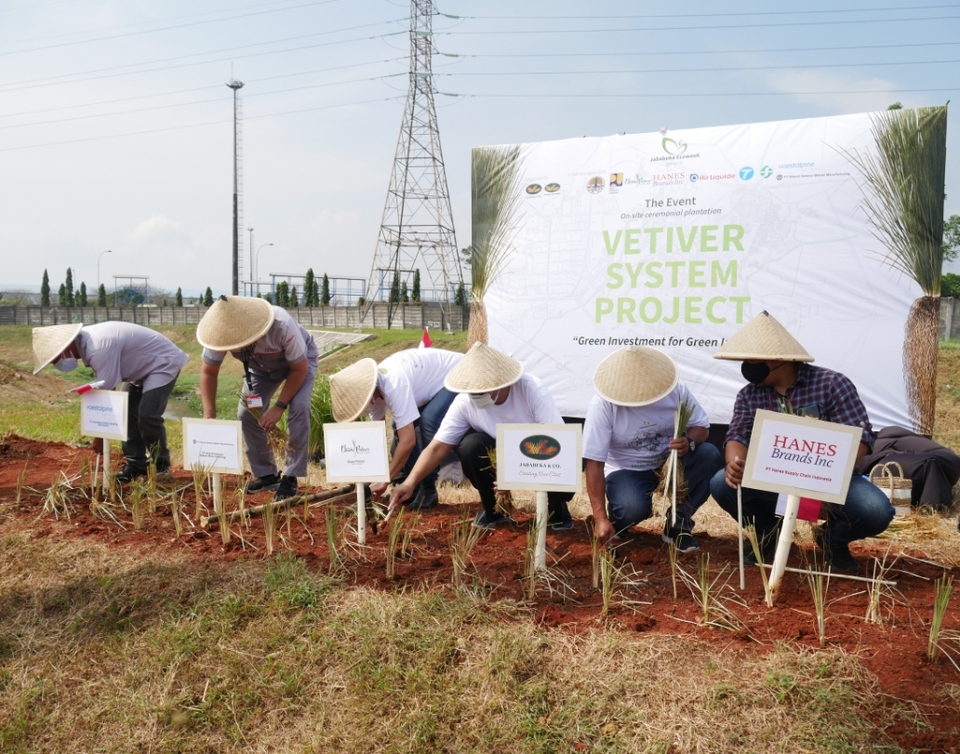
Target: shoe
426,498
836,554
267,483
128,473
287,488
565,525
485,521
684,541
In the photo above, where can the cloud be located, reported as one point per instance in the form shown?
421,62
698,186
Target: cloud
836,93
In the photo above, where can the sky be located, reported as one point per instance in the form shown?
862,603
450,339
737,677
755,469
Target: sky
116,124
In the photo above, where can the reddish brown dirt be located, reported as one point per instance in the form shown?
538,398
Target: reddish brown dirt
894,651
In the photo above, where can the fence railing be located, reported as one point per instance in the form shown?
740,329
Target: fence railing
402,316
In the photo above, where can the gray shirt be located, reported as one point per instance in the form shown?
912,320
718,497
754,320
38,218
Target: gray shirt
125,352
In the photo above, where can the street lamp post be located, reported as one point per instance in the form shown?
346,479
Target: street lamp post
235,289
251,260
256,259
108,251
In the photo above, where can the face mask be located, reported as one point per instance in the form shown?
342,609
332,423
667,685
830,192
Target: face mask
66,365
755,373
481,400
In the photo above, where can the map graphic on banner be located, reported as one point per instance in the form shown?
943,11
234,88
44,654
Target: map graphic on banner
676,240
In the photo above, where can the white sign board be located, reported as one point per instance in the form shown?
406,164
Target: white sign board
676,240
800,456
103,413
545,457
213,446
356,452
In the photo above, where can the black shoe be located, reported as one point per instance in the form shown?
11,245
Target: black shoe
485,521
424,499
267,483
564,524
836,554
129,472
287,488
684,541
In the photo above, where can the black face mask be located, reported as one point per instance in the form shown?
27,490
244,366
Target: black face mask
755,373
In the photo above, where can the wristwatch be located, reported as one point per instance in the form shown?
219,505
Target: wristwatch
281,405
693,445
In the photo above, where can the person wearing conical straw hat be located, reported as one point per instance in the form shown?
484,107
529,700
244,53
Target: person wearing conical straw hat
628,434
278,357
493,389
142,359
410,384
781,378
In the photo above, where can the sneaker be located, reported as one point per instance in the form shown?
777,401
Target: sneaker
425,498
287,488
128,473
486,521
684,541
836,554
267,483
565,525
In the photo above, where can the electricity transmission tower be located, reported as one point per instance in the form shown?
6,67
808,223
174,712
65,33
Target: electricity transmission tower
417,227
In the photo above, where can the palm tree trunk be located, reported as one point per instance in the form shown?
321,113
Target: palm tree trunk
921,341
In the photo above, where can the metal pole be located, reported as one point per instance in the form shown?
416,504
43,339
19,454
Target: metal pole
235,288
108,251
251,260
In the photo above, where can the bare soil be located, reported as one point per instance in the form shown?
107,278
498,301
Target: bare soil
894,650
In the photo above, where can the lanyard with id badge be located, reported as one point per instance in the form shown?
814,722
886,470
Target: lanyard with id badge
253,400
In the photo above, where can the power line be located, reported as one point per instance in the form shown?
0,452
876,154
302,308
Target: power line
637,95
714,15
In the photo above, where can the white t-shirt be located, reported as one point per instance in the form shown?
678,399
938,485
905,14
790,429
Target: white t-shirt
529,402
635,437
124,352
409,379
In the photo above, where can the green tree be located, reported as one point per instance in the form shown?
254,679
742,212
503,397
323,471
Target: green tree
82,296
179,299
102,295
208,297
325,290
309,282
404,295
62,295
951,238
45,290
294,301
950,285
415,294
283,294
69,286
395,288
361,302
895,106
460,297
268,298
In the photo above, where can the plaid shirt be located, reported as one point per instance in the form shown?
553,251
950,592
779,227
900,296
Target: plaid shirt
818,393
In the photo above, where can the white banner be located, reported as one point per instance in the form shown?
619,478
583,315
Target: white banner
677,240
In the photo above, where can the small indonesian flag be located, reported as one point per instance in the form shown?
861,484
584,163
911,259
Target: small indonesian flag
425,341
80,390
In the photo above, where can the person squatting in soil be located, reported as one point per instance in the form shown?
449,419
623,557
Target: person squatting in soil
277,354
410,384
493,389
780,379
144,361
627,437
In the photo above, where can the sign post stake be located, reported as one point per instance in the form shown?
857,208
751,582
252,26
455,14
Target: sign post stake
106,466
361,516
743,584
217,500
787,526
540,553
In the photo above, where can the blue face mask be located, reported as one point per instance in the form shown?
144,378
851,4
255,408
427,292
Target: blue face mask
66,365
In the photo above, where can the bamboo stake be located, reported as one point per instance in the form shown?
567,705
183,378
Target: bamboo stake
835,575
327,496
540,553
361,516
743,584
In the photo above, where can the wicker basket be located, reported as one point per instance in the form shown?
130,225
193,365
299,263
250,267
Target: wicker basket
898,488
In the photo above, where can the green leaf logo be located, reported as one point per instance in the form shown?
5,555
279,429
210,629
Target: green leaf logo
675,148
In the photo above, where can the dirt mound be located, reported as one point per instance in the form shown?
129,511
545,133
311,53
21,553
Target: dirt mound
893,646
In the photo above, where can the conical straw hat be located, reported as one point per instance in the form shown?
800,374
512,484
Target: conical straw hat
483,370
635,376
234,322
49,342
762,339
352,388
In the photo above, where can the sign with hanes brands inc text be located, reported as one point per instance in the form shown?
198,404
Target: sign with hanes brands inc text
356,452
103,413
800,456
675,240
545,457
